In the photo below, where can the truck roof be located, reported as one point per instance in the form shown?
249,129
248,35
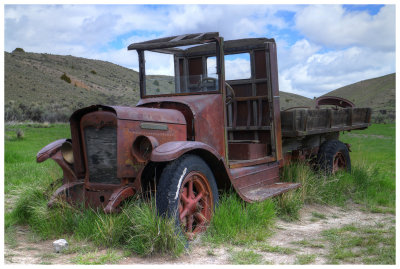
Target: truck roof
169,44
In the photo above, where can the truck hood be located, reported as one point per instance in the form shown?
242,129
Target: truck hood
135,114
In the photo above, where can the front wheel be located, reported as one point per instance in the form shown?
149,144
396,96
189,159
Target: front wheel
188,193
333,156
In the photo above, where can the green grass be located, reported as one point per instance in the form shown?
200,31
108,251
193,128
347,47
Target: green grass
245,257
370,184
275,249
362,244
95,258
305,258
240,223
20,167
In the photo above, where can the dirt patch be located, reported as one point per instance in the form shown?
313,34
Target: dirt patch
290,241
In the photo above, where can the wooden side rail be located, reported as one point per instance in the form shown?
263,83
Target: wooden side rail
252,102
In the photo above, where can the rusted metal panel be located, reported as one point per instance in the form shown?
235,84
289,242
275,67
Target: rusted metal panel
262,192
128,131
333,101
174,149
246,151
260,64
49,150
174,41
276,140
208,116
72,192
149,115
246,177
117,197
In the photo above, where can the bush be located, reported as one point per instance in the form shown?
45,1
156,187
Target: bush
18,50
93,72
36,112
66,78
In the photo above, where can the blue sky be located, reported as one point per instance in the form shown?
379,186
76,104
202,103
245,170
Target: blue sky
320,47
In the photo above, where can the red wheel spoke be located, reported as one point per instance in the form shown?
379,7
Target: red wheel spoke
180,208
184,213
200,218
184,196
190,194
190,223
198,197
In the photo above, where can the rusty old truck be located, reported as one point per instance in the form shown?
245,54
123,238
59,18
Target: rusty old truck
214,123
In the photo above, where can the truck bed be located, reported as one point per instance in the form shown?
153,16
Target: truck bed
302,122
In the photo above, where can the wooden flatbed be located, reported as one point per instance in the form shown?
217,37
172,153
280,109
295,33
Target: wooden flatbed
304,122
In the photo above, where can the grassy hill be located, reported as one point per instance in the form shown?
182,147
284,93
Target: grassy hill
288,100
35,90
33,82
378,93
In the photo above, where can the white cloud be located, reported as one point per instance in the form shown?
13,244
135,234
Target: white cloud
333,26
324,72
332,47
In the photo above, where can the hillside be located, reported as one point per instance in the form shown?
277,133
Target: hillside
34,80
288,100
34,89
378,93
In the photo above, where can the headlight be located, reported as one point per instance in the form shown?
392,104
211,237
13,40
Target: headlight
143,146
66,151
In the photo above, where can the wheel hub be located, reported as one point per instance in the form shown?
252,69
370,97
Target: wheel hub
339,162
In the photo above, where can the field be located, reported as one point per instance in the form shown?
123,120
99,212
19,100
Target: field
342,219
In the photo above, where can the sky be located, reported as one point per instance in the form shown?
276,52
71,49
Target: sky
320,47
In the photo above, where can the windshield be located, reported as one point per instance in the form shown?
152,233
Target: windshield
169,74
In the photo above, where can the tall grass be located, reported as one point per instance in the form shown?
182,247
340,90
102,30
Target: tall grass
138,228
366,184
238,222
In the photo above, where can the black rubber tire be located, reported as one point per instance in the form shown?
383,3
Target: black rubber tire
171,182
328,151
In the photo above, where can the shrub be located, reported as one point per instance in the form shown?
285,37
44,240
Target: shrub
20,134
66,78
18,50
93,72
156,83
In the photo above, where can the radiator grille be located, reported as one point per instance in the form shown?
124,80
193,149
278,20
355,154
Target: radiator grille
101,150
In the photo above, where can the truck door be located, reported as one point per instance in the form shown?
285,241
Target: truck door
253,113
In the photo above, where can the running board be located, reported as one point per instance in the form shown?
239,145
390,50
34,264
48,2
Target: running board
268,191
259,182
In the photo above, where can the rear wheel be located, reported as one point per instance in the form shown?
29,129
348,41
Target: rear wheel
334,156
187,192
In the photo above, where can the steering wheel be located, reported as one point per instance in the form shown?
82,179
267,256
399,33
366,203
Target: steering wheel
229,96
205,80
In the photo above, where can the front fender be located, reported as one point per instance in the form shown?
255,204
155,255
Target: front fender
172,150
53,151
49,150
